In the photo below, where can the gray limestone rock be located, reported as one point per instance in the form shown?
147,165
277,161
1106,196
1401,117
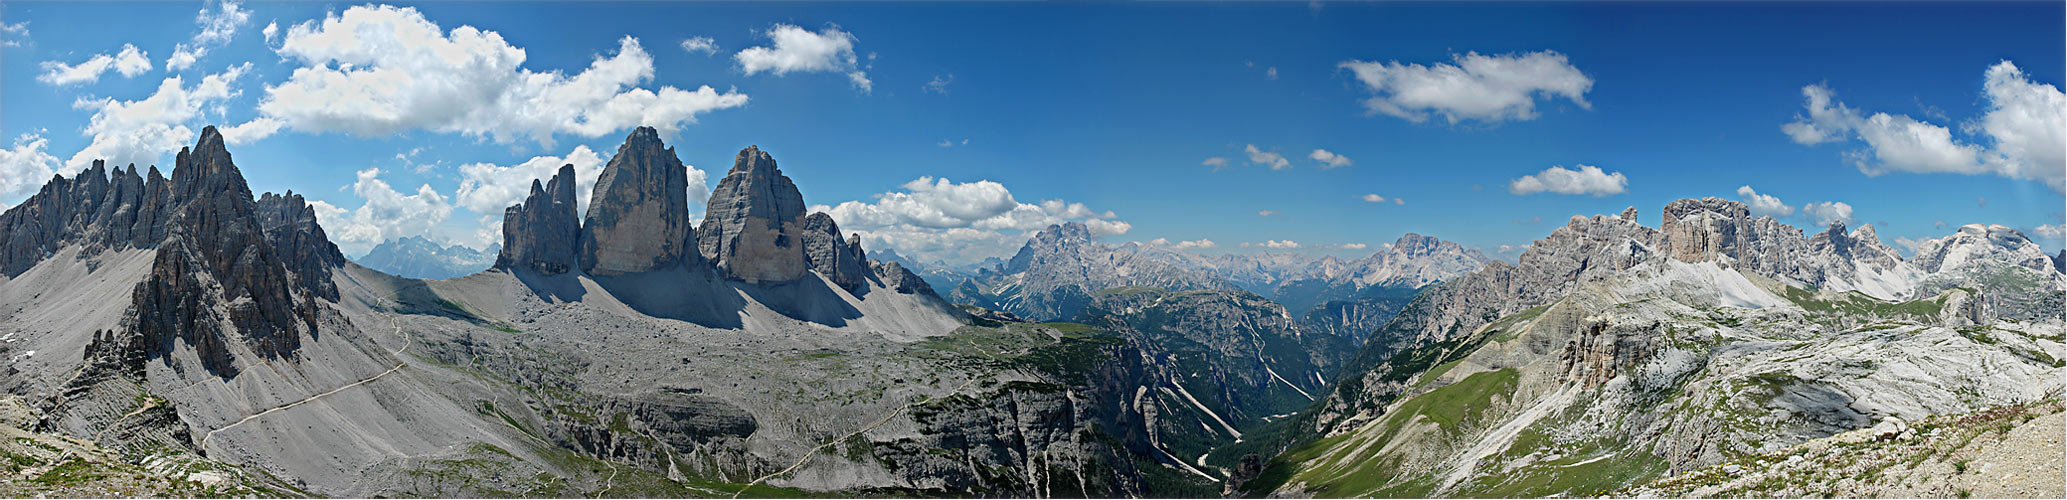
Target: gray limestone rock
638,218
828,253
542,233
753,228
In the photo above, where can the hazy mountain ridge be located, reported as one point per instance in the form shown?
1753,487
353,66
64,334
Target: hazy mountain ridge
419,257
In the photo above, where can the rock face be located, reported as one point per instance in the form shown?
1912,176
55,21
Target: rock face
542,233
638,218
91,209
896,277
752,230
291,230
826,252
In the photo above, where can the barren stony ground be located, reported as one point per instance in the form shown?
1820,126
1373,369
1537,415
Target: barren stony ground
2004,452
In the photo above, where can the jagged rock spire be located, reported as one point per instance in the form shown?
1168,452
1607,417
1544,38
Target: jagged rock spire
542,232
638,218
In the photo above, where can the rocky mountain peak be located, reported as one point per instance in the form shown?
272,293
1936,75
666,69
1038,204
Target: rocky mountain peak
638,216
752,229
1412,244
542,233
1978,243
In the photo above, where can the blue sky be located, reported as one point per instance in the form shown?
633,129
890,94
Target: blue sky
1111,111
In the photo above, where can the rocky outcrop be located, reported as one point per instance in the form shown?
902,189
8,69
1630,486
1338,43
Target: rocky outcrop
1978,244
542,233
92,209
752,229
896,277
638,218
833,256
292,232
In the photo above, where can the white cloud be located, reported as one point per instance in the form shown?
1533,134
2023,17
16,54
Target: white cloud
1373,198
24,168
799,50
2025,130
1329,159
2051,233
1472,87
1764,204
1201,243
14,35
702,44
142,131
218,26
1274,244
1398,201
387,214
1352,246
938,85
1824,213
1267,158
380,70
1216,162
271,31
939,219
1587,179
1267,213
487,188
129,62
1270,73
250,131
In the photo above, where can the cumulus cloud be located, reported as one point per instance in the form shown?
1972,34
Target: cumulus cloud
2051,233
1764,204
14,35
1472,87
129,62
1200,243
271,31
2023,135
1352,246
700,45
1373,198
218,22
1587,179
1267,213
1274,244
1266,158
387,214
25,167
939,219
1216,162
798,50
142,131
1824,213
378,70
1329,159
487,188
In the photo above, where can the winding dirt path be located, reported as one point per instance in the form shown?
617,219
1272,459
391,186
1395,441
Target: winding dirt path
407,341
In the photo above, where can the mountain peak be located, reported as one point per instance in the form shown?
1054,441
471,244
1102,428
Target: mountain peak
752,227
638,217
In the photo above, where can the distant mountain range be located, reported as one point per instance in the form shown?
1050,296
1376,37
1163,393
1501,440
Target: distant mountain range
180,337
418,257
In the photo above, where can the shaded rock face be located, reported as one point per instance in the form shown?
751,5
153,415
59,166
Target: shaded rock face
542,233
829,254
228,269
752,229
638,217
92,208
291,230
